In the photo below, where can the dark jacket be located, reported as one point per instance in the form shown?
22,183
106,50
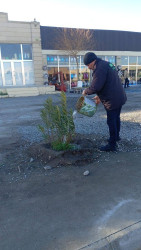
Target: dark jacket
107,85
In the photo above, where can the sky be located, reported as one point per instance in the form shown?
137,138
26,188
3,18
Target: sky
89,14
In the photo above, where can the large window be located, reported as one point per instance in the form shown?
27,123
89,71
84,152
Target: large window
52,60
65,71
132,60
124,60
16,65
132,73
10,51
85,76
82,59
101,57
14,52
68,66
110,59
52,75
73,60
27,51
63,60
73,73
139,60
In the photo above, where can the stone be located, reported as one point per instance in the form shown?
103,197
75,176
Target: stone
86,173
31,159
47,167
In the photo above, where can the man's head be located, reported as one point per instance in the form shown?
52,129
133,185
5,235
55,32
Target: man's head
89,60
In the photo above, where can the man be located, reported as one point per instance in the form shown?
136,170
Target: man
107,85
126,75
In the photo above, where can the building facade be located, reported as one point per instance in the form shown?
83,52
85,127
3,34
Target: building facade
118,47
28,56
20,53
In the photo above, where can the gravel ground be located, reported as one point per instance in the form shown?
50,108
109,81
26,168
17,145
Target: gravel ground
96,126
130,124
23,121
19,134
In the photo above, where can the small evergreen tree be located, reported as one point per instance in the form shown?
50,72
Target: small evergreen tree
58,126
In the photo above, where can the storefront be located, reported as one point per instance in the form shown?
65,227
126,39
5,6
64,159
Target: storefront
20,53
133,64
118,47
68,66
72,70
16,65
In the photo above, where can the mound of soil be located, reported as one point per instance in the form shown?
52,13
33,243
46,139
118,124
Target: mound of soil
85,152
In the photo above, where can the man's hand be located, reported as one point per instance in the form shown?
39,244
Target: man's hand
83,93
97,100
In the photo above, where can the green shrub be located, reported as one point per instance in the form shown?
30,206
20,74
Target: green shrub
58,127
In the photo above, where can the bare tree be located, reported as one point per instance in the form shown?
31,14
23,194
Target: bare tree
73,41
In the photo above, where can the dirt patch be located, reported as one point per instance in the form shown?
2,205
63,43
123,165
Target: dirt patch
84,152
24,158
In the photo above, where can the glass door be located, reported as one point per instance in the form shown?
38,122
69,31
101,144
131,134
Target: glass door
1,82
8,73
17,74
29,73
132,74
139,74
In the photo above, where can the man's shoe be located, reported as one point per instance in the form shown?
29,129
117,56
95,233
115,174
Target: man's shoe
108,148
118,139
